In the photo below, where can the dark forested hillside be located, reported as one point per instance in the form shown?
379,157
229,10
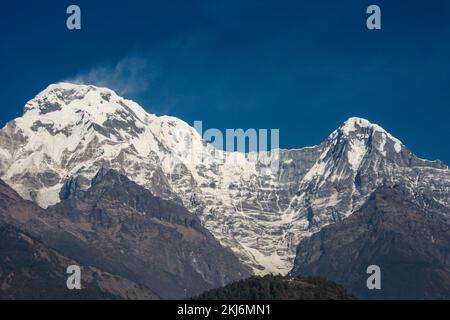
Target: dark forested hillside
272,287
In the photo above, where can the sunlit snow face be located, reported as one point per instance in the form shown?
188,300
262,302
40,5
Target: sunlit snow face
258,210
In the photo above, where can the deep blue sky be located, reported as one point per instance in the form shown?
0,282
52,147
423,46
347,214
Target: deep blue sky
302,67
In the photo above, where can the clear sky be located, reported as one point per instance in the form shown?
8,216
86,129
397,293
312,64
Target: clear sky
301,66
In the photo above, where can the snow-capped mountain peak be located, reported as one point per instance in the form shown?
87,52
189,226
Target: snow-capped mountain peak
69,132
68,104
354,123
362,130
70,129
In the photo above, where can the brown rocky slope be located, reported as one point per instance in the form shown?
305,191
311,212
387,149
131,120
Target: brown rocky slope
411,246
120,227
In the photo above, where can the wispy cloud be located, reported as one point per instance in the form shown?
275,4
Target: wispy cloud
131,75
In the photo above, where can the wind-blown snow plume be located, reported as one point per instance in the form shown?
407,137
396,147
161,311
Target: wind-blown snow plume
129,76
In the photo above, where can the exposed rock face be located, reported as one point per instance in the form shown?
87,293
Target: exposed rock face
68,132
160,242
31,270
122,228
409,244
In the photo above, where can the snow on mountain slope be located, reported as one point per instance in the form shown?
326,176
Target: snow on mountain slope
70,129
68,132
